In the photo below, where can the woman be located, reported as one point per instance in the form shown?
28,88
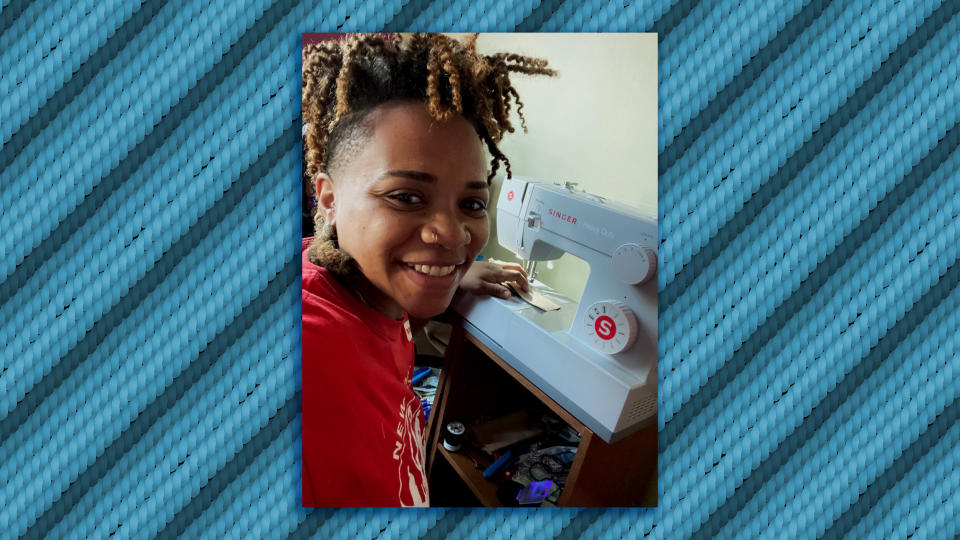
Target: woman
395,153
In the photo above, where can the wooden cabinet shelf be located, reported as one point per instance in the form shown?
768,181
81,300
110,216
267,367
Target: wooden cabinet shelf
476,383
484,490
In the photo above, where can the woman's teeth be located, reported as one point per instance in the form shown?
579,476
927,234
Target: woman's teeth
431,270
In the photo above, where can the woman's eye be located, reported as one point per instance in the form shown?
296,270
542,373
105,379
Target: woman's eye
407,198
474,205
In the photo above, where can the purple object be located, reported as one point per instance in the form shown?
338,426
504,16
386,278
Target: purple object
535,493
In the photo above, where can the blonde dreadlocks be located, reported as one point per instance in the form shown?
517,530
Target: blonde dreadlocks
344,80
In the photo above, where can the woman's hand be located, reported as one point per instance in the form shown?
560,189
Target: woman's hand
486,277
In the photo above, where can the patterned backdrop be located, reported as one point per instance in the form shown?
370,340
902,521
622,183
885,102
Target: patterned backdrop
149,315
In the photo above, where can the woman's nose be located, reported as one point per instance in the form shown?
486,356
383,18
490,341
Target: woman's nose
446,231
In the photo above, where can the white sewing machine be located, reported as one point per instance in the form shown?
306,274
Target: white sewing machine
598,358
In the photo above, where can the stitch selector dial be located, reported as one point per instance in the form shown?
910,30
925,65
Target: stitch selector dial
610,326
634,264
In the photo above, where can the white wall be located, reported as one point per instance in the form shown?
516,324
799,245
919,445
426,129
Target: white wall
595,124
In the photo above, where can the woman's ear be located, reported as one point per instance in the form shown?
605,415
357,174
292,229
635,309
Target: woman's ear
325,197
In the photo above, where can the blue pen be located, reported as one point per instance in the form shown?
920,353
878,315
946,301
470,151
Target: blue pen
420,374
497,465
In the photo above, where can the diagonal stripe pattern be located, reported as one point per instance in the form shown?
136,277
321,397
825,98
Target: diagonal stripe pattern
809,279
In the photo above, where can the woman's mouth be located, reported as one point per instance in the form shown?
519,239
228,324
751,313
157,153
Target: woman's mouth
432,270
431,275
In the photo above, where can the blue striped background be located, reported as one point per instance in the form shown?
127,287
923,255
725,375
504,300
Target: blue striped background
149,203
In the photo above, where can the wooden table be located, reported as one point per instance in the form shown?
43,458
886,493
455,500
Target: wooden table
476,383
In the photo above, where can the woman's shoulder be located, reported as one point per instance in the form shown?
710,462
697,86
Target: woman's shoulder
328,307
321,291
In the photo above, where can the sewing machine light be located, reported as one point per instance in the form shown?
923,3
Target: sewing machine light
610,326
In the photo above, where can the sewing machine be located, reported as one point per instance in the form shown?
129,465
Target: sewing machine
596,358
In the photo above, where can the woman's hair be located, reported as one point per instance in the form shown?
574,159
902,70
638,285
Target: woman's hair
344,80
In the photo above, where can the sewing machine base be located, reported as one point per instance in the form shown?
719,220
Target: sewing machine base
613,398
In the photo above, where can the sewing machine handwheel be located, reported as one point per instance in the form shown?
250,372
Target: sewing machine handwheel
610,326
634,264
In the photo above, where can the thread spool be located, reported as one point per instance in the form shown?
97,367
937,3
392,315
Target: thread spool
453,436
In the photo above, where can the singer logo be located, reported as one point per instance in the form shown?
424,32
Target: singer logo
510,195
562,216
605,327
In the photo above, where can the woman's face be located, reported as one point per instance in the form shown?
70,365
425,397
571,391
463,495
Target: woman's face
410,207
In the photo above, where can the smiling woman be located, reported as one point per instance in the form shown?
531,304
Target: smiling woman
414,203
395,132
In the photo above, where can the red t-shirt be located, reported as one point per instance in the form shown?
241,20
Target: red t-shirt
363,427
